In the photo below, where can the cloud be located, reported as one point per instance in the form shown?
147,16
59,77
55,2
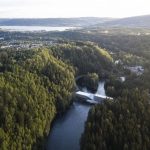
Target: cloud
73,8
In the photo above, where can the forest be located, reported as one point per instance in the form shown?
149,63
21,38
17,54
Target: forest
34,87
122,123
38,84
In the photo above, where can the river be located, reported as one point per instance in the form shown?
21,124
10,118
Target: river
67,129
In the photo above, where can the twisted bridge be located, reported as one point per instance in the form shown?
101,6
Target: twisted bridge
91,98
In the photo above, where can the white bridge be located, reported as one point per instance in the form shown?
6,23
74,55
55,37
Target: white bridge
91,98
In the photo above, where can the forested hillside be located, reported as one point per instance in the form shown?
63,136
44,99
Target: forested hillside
86,57
53,22
34,86
124,122
37,84
121,124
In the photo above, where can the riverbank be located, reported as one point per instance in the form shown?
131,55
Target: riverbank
67,129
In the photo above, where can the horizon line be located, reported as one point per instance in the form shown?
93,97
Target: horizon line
73,17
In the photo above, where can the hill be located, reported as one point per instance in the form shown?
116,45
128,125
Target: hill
85,57
37,84
76,22
138,21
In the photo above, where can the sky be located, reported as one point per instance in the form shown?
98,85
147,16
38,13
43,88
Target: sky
73,8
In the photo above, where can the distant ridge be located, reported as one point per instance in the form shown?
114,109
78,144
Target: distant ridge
137,21
76,22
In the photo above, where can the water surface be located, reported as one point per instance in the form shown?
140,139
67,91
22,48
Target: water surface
66,131
34,28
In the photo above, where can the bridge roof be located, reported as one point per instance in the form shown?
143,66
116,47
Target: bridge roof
90,95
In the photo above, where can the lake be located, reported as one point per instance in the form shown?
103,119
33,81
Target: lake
34,28
67,129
